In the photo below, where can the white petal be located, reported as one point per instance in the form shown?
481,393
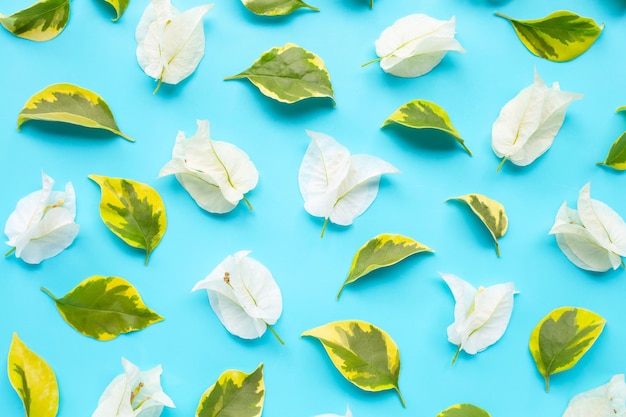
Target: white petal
463,293
149,33
235,318
582,249
348,414
604,224
115,400
607,400
28,211
205,193
257,291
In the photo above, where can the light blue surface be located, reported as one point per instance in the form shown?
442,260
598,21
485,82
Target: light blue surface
409,301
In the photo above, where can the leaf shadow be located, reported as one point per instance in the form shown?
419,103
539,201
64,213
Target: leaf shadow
106,9
67,132
476,226
431,140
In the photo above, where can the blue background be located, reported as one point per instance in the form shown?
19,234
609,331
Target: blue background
409,301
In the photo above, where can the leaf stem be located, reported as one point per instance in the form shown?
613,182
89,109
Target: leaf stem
248,203
547,378
400,396
456,355
324,227
308,6
340,291
503,16
497,249
234,77
269,326
462,142
10,252
501,163
48,293
159,84
371,62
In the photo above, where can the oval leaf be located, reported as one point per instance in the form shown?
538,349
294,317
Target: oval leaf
132,210
33,380
364,354
490,212
463,410
423,114
617,154
379,252
275,7
119,6
71,104
289,74
234,394
40,22
104,307
562,337
560,36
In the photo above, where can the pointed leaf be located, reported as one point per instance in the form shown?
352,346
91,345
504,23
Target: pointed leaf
119,6
235,394
616,157
71,104
379,252
490,212
364,354
104,307
562,337
33,380
289,74
132,210
423,114
560,36
275,7
40,22
463,410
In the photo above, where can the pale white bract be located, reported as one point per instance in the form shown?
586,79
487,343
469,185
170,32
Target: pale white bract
480,316
348,414
593,237
170,44
608,400
42,224
216,174
243,295
135,393
527,125
416,44
335,185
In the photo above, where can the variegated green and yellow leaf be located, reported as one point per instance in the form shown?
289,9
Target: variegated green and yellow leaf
68,103
560,36
40,22
235,394
119,6
104,307
289,74
490,212
132,210
423,114
379,252
562,337
616,157
363,353
275,7
463,410
33,380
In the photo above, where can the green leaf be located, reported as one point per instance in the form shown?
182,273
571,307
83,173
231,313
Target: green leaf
562,337
40,22
560,36
71,104
275,7
234,394
379,252
364,354
490,212
463,410
616,157
289,74
33,380
119,6
104,307
423,114
132,210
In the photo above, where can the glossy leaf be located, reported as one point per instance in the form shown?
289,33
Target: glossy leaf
119,6
560,36
132,210
490,212
33,380
608,400
562,337
289,74
423,114
40,22
616,157
275,7
463,410
364,354
235,394
104,307
68,103
379,252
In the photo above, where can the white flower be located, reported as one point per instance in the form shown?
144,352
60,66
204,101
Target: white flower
42,224
480,316
244,295
607,400
348,414
216,174
134,393
592,237
170,44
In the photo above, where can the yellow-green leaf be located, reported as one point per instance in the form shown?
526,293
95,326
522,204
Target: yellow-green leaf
289,74
364,354
68,103
132,210
33,380
616,157
40,22
104,307
234,394
490,212
463,410
423,114
275,7
379,252
560,36
119,6
562,337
